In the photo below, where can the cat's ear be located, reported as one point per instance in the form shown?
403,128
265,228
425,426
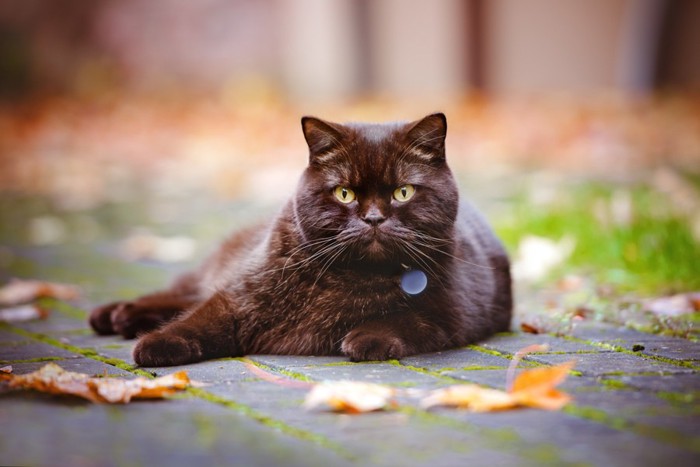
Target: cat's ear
321,136
428,135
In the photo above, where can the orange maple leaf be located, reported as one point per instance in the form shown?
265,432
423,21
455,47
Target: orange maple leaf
531,388
535,387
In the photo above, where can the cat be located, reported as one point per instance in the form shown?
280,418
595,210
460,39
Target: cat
374,257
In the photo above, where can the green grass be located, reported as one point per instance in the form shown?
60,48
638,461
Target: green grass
654,251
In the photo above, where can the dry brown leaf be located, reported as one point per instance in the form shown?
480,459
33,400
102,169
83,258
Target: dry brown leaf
53,379
19,291
349,396
695,300
531,388
529,328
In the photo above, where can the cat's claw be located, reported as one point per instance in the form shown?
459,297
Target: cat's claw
160,349
365,346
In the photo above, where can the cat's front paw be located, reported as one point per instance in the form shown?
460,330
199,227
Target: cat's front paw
101,318
361,345
130,320
163,349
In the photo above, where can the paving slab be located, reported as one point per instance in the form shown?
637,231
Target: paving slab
635,395
645,407
389,438
77,364
51,431
631,340
686,384
510,343
10,339
384,373
571,440
33,351
491,378
607,363
458,359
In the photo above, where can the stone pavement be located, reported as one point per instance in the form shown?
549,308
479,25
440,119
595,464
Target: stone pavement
635,403
635,395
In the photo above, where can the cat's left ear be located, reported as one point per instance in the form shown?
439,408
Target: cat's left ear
321,136
429,135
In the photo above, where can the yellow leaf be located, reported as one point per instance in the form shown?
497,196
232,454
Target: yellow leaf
551,400
470,396
349,396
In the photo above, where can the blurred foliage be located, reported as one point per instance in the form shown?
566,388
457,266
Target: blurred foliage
634,238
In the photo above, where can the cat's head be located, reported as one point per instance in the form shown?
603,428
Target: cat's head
377,193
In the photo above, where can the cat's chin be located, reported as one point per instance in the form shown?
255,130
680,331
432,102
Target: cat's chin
376,252
375,249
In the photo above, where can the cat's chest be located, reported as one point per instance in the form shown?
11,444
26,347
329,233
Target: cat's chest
311,314
340,297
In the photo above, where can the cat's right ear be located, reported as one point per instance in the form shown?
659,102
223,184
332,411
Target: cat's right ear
321,136
429,133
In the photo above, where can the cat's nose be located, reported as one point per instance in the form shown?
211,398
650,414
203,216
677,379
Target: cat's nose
373,217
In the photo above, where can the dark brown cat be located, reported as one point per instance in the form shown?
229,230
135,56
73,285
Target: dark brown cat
374,257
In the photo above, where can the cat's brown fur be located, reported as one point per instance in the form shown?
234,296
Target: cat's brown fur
324,277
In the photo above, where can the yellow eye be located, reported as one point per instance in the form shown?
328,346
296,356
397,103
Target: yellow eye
344,195
404,193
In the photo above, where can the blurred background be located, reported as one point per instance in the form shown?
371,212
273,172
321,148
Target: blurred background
572,123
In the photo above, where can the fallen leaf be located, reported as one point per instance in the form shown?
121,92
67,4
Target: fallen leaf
510,374
675,305
570,283
529,328
349,396
470,396
19,291
535,387
21,313
142,245
53,379
531,388
695,300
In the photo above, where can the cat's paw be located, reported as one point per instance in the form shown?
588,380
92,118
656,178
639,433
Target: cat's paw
363,346
129,319
101,318
163,349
